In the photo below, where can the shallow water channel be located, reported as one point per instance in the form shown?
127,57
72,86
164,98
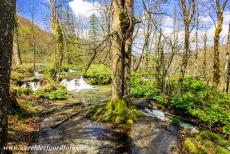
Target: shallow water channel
65,129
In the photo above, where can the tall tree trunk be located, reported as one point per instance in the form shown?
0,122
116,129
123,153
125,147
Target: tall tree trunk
58,35
188,13
227,67
216,65
16,49
122,25
196,41
205,53
7,20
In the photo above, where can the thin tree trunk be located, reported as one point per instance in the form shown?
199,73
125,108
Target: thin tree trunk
227,72
205,53
7,20
16,49
188,12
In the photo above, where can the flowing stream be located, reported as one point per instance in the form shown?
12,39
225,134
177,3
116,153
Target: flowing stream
66,126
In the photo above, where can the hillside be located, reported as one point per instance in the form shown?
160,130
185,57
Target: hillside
43,42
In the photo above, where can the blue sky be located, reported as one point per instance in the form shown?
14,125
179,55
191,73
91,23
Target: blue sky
83,8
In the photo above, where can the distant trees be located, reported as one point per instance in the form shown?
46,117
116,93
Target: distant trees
216,66
7,20
122,26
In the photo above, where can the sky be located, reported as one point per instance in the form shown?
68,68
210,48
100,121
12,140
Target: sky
85,8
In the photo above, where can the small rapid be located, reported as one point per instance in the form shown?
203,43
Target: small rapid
76,84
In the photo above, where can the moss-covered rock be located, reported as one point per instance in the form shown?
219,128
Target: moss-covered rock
115,111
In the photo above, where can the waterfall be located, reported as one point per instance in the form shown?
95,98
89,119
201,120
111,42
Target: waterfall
38,75
76,84
33,85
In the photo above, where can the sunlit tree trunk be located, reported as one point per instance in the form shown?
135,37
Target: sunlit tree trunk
216,65
16,49
58,35
122,25
7,20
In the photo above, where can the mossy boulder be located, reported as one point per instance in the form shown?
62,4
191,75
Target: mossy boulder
115,111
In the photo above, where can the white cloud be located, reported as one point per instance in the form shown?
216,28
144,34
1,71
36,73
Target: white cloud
83,8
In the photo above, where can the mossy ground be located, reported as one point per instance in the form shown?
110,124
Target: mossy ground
206,142
116,111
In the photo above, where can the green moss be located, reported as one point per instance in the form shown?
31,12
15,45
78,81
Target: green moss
190,146
115,111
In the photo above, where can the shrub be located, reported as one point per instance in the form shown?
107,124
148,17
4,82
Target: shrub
39,94
48,71
58,95
207,104
140,87
99,74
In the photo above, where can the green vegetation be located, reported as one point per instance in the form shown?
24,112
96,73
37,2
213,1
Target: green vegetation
175,121
51,89
39,94
25,91
116,111
99,74
190,146
206,104
58,95
207,142
141,87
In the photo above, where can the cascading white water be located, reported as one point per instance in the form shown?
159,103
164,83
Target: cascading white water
33,85
76,84
38,75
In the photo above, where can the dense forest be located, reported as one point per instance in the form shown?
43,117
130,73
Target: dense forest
115,76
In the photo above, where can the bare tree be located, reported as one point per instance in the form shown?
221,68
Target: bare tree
7,20
147,33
